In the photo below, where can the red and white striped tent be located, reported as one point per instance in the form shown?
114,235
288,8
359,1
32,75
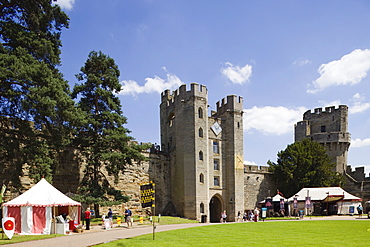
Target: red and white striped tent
34,209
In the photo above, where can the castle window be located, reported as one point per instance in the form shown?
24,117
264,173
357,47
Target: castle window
171,118
200,112
216,181
200,132
323,128
201,208
201,178
216,165
200,155
238,125
216,148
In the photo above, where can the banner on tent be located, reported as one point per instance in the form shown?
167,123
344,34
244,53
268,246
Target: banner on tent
8,224
295,203
308,202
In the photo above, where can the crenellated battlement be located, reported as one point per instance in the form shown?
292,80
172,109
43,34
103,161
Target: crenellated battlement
231,103
358,174
319,113
182,94
256,169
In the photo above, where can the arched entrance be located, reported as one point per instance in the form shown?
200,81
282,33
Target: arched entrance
215,208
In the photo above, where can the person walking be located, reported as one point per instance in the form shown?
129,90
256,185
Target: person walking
256,214
128,215
359,210
223,216
87,218
110,217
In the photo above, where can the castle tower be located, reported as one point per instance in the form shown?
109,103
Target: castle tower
205,153
329,128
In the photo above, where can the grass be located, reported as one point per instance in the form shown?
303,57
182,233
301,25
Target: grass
273,233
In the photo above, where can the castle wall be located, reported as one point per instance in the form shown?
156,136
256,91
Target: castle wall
258,185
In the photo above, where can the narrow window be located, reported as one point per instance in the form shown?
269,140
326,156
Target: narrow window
200,112
216,149
216,165
200,155
202,208
216,181
171,118
201,178
200,132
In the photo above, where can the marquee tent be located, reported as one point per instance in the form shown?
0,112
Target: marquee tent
276,198
333,199
34,209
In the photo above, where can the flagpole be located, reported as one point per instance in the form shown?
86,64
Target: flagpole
3,188
2,212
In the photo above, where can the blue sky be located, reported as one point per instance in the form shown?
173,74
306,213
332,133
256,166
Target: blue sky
282,57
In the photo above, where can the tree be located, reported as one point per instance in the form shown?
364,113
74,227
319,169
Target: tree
103,140
36,107
303,164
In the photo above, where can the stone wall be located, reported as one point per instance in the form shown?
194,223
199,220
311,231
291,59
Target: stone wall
258,185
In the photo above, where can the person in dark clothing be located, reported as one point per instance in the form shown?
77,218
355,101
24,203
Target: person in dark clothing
110,217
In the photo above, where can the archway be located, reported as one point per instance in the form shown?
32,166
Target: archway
215,208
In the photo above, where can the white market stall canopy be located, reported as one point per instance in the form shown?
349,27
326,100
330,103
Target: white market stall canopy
42,194
275,198
325,194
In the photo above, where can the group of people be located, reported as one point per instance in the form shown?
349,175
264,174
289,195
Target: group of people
108,223
250,215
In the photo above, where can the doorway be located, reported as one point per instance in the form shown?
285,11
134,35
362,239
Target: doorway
215,208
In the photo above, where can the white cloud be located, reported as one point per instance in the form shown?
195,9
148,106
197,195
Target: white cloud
272,120
349,70
250,163
152,85
358,97
358,106
302,62
65,4
356,143
236,74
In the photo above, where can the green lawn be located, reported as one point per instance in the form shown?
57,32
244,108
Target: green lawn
278,233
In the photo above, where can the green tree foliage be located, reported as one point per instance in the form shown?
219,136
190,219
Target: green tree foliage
36,107
103,140
303,164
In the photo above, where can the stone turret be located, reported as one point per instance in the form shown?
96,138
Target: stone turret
329,128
